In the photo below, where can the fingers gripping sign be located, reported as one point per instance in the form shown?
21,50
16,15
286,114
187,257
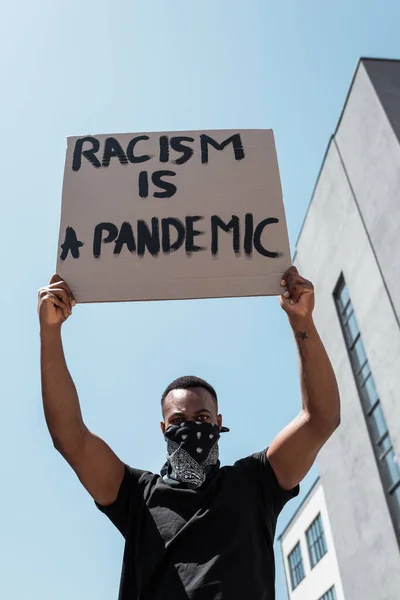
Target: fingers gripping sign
297,300
55,302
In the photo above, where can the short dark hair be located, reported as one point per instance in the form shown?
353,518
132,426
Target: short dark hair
188,382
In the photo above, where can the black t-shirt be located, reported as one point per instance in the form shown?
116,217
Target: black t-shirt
213,543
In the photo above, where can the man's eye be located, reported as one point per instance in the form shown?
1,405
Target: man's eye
177,420
203,417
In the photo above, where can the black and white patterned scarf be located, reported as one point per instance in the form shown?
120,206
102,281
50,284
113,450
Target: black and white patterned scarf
192,453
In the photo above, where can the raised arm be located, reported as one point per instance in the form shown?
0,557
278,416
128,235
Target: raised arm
98,468
294,450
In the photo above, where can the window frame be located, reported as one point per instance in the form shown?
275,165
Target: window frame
295,577
329,594
389,486
312,544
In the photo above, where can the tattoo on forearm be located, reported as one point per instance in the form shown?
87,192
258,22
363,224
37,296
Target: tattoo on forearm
301,336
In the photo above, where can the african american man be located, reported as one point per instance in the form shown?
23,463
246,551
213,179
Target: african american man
197,530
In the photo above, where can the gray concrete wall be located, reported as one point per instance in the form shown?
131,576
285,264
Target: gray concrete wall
371,153
333,240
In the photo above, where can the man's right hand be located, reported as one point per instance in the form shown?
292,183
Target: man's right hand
55,303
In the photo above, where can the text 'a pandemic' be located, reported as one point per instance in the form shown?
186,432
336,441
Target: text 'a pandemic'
170,234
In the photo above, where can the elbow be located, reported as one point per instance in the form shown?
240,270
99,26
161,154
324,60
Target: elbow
336,417
60,445
325,425
68,447
331,424
57,443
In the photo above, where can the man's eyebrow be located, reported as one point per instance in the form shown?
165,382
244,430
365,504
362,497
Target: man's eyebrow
202,410
176,413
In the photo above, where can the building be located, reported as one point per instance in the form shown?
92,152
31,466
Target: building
308,551
349,246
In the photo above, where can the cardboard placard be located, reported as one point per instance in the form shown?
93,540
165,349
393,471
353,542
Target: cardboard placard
164,216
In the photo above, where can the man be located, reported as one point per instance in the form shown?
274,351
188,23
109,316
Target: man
197,530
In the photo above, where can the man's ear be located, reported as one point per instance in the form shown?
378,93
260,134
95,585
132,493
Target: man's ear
162,425
219,421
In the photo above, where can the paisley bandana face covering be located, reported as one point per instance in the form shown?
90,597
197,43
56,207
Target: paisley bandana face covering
192,452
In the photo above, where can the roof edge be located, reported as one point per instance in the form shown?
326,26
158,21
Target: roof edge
312,196
359,62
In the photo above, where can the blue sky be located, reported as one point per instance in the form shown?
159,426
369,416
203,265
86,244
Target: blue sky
70,68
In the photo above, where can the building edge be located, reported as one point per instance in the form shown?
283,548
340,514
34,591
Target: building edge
360,61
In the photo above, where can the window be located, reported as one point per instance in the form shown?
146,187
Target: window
329,595
387,462
316,541
296,566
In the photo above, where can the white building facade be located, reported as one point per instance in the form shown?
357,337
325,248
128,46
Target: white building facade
308,551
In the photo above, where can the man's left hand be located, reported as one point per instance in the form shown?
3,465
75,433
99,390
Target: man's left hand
298,298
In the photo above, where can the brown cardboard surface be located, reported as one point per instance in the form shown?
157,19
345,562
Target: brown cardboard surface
225,193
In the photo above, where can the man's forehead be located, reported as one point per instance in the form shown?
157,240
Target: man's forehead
183,399
191,394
